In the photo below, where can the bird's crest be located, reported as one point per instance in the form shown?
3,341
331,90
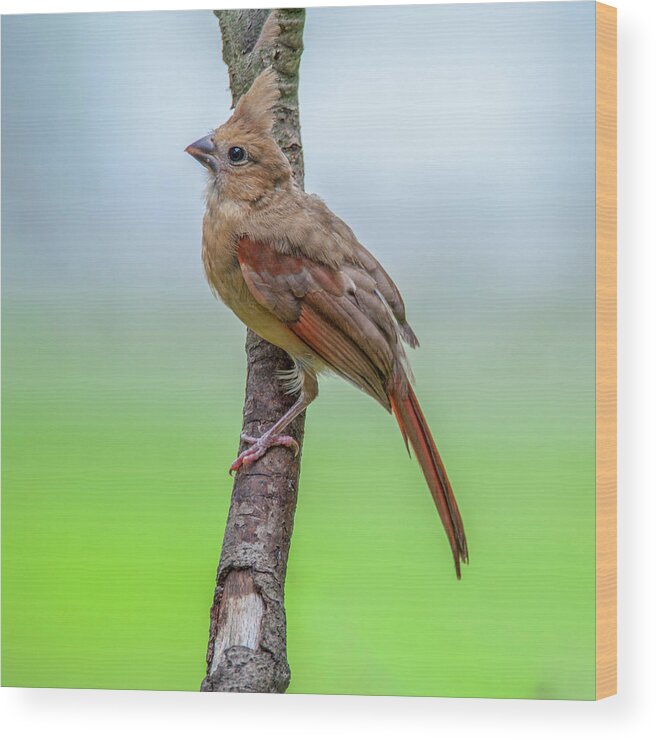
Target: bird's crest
255,107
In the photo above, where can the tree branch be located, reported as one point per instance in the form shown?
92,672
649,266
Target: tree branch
247,648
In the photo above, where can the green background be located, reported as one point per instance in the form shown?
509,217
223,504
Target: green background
458,142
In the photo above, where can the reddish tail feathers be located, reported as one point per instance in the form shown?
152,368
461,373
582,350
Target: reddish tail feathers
415,430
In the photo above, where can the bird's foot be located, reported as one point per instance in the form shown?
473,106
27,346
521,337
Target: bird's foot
259,446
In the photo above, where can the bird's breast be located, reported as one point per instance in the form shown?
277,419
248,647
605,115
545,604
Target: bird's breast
227,281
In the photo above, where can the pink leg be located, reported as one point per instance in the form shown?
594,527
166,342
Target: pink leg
259,446
274,437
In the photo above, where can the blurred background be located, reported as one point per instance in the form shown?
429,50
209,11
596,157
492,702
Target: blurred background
458,143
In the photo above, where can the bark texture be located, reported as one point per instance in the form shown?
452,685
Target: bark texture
247,648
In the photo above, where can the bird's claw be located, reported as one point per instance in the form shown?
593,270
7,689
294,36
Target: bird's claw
259,446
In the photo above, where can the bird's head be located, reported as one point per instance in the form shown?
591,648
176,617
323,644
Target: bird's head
241,156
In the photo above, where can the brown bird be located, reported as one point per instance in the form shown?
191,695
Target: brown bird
296,275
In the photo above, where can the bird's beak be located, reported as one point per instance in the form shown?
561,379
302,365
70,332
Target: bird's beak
203,151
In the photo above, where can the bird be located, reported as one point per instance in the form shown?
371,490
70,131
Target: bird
295,273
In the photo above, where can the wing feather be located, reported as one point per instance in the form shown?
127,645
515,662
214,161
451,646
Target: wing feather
339,314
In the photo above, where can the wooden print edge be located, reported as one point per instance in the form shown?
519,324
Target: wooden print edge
606,352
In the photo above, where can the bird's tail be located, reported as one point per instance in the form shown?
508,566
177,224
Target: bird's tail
415,430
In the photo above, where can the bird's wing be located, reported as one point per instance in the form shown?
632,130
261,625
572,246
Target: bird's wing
340,314
388,290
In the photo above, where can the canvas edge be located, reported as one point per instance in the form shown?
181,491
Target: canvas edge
606,352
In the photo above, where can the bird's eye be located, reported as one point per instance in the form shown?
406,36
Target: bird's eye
237,155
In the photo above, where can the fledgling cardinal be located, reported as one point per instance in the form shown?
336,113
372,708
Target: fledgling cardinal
297,276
